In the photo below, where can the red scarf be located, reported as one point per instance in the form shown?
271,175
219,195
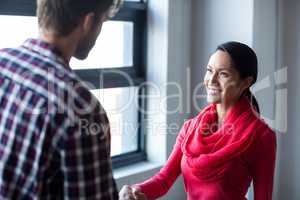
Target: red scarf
209,150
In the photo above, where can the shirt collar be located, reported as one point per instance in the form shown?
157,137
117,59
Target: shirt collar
45,49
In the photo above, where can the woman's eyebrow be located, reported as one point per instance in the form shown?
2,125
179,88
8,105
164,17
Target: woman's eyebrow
224,69
220,69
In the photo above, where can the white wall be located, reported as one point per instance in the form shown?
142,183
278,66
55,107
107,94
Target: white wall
168,57
215,22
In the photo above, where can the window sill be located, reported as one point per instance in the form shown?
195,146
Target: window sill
136,172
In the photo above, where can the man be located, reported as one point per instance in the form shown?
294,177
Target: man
54,135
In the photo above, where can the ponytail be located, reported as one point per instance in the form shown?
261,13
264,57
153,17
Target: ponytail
252,100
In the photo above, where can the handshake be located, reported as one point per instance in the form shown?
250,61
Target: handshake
131,193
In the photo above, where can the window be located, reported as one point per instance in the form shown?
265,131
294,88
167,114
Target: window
115,69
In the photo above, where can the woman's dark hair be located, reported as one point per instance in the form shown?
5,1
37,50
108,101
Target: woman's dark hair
244,60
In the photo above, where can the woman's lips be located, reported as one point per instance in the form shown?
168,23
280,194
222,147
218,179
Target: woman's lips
213,91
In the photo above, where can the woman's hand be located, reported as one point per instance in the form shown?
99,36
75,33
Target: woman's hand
131,193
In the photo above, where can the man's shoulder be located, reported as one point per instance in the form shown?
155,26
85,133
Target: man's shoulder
28,67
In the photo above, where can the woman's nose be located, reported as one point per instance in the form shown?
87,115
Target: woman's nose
213,78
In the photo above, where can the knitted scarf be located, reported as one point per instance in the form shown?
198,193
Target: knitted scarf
210,149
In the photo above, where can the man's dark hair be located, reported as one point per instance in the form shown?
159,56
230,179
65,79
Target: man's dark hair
62,16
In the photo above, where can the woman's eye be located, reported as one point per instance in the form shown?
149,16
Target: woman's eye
223,74
209,70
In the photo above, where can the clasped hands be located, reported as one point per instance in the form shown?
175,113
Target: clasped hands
131,193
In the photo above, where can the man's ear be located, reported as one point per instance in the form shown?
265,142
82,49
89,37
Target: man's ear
87,22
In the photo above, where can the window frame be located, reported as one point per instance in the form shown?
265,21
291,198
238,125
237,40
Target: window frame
135,12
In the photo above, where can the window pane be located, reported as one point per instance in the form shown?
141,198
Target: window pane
16,29
114,48
121,105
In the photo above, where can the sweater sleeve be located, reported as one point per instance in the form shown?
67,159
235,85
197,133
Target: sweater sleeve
159,184
263,166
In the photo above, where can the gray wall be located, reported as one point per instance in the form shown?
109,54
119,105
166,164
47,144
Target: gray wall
289,50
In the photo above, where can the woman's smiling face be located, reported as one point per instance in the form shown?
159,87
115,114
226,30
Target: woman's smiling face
222,81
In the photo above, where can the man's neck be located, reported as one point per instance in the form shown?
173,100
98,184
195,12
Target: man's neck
66,45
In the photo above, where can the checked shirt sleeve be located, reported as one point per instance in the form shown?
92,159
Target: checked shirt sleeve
85,156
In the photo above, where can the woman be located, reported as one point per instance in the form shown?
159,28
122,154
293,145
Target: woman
227,145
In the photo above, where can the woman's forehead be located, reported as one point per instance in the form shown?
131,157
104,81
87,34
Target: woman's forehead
220,60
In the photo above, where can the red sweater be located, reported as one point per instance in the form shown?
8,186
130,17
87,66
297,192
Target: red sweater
256,163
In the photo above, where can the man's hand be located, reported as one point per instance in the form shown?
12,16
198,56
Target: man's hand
138,194
131,193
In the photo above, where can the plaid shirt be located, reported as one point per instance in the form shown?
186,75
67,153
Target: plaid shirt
54,134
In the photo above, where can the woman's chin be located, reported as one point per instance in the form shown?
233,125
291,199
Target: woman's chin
213,99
